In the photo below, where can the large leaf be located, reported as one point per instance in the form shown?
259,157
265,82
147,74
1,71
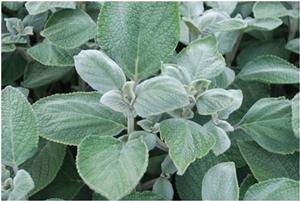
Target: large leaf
202,59
272,9
22,185
19,128
186,140
51,55
138,35
274,189
68,118
44,166
120,164
36,74
189,185
220,183
99,71
36,7
268,122
296,114
69,28
266,165
270,69
158,95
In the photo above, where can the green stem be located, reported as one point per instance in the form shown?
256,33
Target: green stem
15,169
130,123
161,145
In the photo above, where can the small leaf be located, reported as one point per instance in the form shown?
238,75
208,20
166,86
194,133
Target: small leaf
19,128
224,79
36,7
126,164
167,166
293,45
231,24
274,189
191,9
202,59
220,183
263,24
186,140
114,100
68,118
22,185
158,95
213,101
266,122
147,34
296,114
148,138
236,104
69,28
163,187
99,71
270,69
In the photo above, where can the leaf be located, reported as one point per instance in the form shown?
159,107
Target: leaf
99,71
202,59
263,24
270,69
236,104
191,9
167,166
36,21
147,34
145,195
69,28
224,79
266,165
295,114
163,187
6,48
13,5
22,185
8,38
158,95
51,55
189,185
231,24
114,100
44,166
293,45
220,183
36,7
19,128
186,140
213,101
248,181
126,164
274,189
271,9
36,75
68,118
12,67
148,138
228,7
268,122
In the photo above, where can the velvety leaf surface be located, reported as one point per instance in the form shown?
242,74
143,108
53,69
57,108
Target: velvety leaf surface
296,114
36,7
69,28
12,67
272,9
22,185
220,183
274,189
186,140
146,34
269,123
121,164
266,165
99,71
163,187
158,95
68,118
293,45
19,128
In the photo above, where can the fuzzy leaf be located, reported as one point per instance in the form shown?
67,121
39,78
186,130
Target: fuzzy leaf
124,163
186,140
22,185
146,35
272,9
163,187
68,118
296,114
36,7
293,45
263,24
114,100
228,7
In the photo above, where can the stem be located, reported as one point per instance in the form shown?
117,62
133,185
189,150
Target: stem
161,145
130,123
15,169
148,184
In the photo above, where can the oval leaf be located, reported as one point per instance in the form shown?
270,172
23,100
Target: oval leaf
36,7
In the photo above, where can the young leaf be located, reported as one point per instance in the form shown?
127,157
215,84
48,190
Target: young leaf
202,59
296,114
148,138
220,183
186,140
68,118
270,69
163,187
99,71
22,185
167,166
236,104
293,45
69,28
266,165
263,24
121,164
51,55
158,95
146,35
274,189
268,122
114,100
213,101
19,128
44,166
36,7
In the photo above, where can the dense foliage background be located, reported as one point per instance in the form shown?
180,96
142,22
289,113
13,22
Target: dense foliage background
260,44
